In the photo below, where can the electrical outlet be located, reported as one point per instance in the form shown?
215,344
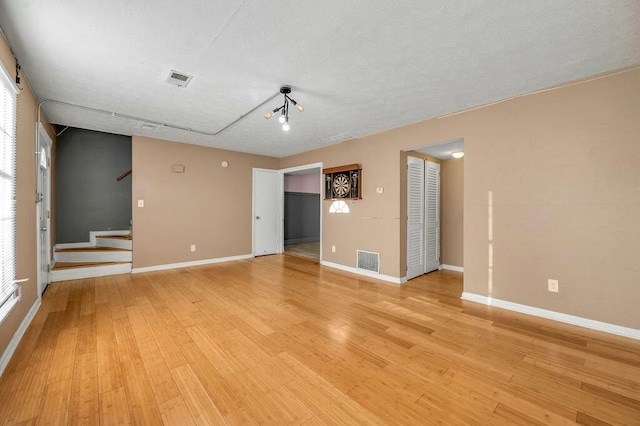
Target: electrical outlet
193,247
380,190
333,249
553,286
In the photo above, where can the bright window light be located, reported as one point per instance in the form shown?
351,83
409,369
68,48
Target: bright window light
9,288
339,206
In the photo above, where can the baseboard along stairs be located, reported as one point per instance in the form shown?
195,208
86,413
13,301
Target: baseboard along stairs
106,253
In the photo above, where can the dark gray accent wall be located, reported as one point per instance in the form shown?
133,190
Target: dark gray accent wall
88,197
301,217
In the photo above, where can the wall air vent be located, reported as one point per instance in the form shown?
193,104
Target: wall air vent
369,261
179,79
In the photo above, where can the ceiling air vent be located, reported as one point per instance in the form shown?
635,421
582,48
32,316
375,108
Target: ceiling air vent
149,126
340,137
179,79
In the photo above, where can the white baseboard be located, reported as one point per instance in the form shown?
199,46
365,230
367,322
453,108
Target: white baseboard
364,272
555,316
187,264
17,336
452,268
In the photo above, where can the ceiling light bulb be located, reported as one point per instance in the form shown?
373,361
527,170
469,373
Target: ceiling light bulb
281,119
300,107
268,115
285,126
459,154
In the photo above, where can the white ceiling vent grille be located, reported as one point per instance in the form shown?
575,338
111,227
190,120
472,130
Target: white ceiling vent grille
149,126
179,79
340,137
369,261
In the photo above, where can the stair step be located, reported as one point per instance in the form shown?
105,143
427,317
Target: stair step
93,254
70,265
115,237
115,241
96,248
63,271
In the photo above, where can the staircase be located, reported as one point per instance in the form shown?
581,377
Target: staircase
106,253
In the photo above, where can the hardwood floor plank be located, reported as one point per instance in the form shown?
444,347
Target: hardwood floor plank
281,340
114,409
84,405
54,409
176,412
202,409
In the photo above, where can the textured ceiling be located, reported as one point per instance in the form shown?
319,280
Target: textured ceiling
358,66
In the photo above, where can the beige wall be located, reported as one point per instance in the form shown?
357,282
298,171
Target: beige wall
207,205
452,211
561,168
373,222
26,208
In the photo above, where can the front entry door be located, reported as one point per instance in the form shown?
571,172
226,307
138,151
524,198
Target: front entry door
44,209
265,212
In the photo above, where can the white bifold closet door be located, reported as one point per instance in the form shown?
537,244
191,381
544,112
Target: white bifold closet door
423,216
415,217
432,209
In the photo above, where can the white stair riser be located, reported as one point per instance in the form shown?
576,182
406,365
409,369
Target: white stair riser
93,256
114,242
89,272
94,234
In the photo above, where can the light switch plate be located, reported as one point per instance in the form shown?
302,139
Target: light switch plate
140,203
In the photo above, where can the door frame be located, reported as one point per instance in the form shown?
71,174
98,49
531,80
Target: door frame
282,172
43,140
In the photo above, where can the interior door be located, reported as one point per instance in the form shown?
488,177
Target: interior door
265,212
415,217
44,209
432,209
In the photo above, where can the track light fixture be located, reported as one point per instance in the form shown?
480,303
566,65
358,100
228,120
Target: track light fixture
284,109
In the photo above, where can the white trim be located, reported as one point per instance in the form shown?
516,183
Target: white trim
364,272
188,264
452,268
122,255
89,272
17,336
619,330
8,80
72,245
93,234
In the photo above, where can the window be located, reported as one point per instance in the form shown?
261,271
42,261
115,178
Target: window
9,289
339,206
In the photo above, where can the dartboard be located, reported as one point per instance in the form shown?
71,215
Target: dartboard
341,185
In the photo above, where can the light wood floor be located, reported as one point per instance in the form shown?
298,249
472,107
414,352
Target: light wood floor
280,339
310,250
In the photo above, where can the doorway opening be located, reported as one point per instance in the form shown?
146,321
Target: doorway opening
302,211
435,205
